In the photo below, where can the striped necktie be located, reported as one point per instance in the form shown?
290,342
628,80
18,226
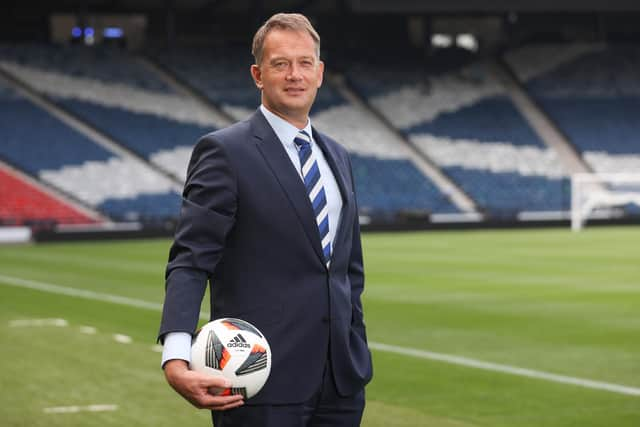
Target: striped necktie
315,190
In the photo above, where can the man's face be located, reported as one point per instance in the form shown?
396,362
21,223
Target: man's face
289,74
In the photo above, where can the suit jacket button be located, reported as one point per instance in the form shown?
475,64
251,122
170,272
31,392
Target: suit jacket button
326,319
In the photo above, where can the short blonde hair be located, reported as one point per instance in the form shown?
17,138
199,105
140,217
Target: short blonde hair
283,21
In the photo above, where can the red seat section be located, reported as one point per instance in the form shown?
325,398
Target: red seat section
23,203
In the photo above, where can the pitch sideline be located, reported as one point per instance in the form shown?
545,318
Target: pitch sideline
405,351
74,409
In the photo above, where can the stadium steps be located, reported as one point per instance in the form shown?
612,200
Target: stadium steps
180,86
79,125
24,199
425,165
539,121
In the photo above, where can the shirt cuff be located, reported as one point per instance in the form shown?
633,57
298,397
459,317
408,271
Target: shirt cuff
177,345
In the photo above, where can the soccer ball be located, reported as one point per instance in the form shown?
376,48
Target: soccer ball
236,350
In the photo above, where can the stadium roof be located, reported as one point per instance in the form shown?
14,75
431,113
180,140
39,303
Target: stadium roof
358,6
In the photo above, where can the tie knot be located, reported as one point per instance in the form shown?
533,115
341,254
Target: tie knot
302,139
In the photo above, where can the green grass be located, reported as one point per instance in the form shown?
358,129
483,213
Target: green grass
549,300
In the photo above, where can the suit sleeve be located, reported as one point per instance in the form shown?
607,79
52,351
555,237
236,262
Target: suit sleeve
206,217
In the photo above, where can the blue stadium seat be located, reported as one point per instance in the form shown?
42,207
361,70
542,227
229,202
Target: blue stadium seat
143,133
388,186
507,194
594,98
490,119
145,207
35,140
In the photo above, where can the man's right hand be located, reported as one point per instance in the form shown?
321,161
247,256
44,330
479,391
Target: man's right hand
201,390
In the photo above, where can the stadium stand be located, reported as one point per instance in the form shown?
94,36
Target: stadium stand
49,150
23,202
593,94
453,109
462,119
117,94
387,180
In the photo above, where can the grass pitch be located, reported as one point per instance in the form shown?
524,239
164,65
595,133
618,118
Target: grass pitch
547,300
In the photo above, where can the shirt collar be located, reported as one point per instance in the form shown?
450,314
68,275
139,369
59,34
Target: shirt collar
284,130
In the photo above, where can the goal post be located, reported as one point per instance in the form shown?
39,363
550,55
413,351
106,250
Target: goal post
603,193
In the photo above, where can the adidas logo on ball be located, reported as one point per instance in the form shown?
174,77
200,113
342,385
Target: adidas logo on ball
238,342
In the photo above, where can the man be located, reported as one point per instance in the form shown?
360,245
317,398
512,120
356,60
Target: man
269,218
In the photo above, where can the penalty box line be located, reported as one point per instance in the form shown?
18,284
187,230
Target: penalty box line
405,351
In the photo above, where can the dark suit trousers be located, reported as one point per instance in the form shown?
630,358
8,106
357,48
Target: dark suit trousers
325,409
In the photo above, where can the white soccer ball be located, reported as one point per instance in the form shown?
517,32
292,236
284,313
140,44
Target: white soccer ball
236,350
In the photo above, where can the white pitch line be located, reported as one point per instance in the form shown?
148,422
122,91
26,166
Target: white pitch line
405,351
505,369
22,323
79,293
122,339
89,330
82,293
73,409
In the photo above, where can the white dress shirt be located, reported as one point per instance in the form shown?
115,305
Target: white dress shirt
177,345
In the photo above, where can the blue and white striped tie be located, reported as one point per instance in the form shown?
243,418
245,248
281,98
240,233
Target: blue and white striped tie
315,190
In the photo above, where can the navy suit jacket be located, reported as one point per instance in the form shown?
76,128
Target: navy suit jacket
247,226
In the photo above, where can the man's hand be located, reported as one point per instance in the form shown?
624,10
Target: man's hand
200,389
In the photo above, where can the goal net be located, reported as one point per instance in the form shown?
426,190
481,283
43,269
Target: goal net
603,195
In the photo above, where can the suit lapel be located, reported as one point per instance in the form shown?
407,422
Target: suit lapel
285,173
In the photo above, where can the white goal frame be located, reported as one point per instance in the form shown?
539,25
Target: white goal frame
604,192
